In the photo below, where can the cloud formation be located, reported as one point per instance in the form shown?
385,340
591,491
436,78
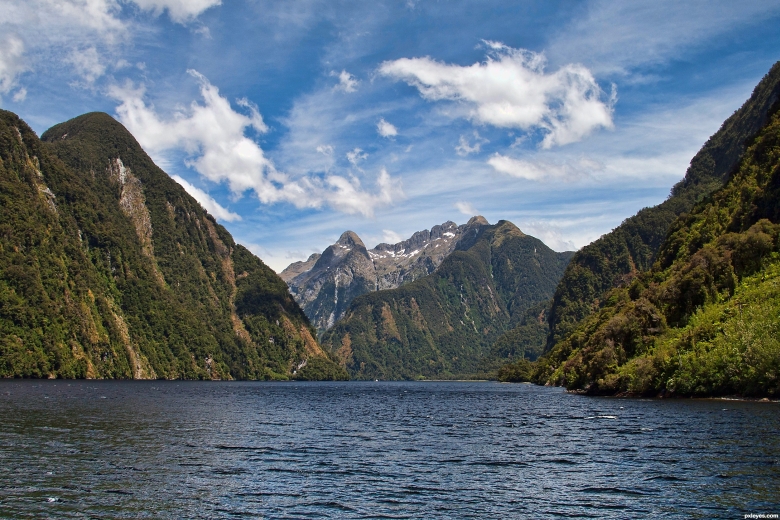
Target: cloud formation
386,129
391,237
213,135
347,81
180,11
465,148
615,37
466,208
87,64
512,90
11,62
544,170
207,201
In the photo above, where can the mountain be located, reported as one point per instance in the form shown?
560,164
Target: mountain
615,258
704,319
109,269
325,285
452,323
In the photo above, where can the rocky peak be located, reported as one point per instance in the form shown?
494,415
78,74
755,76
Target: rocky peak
350,239
477,220
325,287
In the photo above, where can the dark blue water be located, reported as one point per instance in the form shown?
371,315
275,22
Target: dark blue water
378,450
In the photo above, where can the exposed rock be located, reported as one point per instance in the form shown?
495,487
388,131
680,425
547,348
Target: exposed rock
325,285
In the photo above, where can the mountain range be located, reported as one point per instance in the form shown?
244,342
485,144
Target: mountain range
455,321
325,284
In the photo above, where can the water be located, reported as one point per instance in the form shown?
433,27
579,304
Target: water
91,449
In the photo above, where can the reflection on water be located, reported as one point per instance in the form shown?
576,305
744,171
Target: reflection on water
391,450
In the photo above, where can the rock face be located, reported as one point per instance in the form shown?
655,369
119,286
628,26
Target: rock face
109,269
325,285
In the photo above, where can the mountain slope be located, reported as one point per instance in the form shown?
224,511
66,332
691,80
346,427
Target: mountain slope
445,324
122,274
618,256
703,321
324,285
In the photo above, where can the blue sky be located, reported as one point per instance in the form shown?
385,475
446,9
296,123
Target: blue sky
294,121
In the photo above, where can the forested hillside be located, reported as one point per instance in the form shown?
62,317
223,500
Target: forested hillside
109,269
704,319
453,322
615,258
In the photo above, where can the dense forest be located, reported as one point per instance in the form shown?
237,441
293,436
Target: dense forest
615,258
482,307
109,269
703,319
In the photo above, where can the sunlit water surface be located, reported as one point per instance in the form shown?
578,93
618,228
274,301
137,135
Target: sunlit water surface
381,450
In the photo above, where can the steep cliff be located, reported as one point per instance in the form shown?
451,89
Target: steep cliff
109,269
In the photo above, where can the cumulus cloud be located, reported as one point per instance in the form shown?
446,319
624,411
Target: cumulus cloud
87,64
386,129
544,170
12,63
347,82
466,208
212,134
465,147
207,201
512,90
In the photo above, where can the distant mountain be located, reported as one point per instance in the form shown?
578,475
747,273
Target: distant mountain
325,285
454,322
631,248
704,319
109,269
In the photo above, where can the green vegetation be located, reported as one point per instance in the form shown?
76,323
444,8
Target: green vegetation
490,291
615,258
320,369
521,371
703,320
109,269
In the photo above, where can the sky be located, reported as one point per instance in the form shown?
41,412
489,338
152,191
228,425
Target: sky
292,122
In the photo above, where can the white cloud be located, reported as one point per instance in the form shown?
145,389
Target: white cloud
391,237
20,95
616,36
207,201
549,233
511,90
465,148
386,129
466,208
87,64
347,82
11,61
355,156
213,135
180,11
325,149
540,170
